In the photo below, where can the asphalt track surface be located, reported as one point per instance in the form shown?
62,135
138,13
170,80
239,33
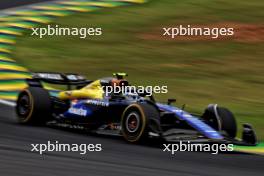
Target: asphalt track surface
4,4
117,157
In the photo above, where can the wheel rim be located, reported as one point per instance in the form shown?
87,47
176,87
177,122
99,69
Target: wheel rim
24,106
132,122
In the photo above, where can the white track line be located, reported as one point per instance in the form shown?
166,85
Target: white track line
8,103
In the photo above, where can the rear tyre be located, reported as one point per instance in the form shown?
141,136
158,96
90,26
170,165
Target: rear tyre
221,119
33,106
137,120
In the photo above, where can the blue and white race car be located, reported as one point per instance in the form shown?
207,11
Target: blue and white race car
135,116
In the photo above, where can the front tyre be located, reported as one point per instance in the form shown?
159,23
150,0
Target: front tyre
221,119
33,106
136,121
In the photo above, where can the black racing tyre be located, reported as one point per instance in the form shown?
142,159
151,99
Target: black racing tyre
137,120
221,119
33,106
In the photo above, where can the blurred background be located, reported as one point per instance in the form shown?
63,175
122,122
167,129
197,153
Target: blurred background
197,70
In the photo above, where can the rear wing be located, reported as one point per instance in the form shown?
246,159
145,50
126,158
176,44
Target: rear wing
69,79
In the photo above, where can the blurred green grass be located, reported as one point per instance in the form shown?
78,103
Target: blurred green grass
197,72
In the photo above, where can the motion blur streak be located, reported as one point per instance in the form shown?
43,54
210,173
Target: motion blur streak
14,22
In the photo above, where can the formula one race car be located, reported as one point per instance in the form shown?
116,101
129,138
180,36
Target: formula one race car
134,116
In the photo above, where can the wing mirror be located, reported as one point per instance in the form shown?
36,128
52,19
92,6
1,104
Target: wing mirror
171,100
